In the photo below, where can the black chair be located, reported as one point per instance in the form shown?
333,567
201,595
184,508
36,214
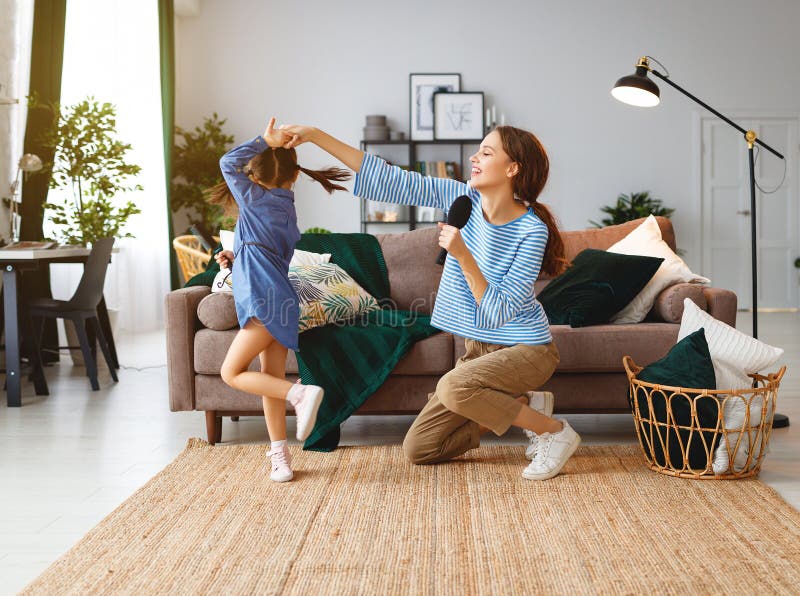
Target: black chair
81,309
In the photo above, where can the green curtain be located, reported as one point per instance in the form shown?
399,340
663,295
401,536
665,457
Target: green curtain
47,59
166,28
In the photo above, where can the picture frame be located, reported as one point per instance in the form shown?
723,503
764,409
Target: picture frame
422,87
458,116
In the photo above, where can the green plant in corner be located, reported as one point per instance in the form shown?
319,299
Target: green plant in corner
89,162
317,231
195,168
630,207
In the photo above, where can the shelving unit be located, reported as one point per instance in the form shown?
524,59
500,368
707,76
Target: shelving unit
411,160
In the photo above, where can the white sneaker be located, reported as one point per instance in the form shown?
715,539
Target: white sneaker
542,402
306,400
281,464
554,451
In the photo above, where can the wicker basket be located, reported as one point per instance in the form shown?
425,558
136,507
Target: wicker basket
677,439
192,257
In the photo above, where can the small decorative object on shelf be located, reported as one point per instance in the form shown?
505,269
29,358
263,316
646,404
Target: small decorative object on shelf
458,115
376,129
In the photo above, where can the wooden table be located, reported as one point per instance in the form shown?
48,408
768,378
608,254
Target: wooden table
14,262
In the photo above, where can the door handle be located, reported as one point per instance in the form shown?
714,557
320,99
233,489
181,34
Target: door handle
743,212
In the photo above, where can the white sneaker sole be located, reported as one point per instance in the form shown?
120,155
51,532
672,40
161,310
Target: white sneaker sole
281,478
555,471
305,426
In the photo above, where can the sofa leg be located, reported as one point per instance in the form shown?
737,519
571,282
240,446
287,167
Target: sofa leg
213,427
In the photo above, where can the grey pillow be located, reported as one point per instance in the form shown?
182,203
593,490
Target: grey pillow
218,311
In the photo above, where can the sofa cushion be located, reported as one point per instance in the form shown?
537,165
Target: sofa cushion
413,273
602,238
600,348
218,311
430,356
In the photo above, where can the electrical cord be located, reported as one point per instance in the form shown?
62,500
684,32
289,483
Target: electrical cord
660,64
758,186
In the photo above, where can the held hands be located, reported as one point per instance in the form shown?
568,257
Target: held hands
224,259
276,137
286,135
297,133
450,239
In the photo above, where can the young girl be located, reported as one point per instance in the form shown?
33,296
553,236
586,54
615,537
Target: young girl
485,295
258,178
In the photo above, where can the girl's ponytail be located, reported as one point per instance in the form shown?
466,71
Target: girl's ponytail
326,176
221,195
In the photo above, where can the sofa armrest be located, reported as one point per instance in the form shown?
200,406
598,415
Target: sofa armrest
182,323
721,305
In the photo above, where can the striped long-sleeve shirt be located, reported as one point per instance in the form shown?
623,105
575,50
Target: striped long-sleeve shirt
508,255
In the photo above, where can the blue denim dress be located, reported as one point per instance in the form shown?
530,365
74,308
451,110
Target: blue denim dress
266,234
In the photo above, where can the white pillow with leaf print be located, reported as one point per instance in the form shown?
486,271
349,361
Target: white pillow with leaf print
328,295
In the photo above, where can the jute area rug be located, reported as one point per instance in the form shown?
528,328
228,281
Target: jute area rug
361,520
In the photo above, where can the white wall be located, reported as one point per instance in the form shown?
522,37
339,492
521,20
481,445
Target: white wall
548,66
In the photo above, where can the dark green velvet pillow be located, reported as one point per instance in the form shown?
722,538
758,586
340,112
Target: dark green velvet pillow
597,286
688,364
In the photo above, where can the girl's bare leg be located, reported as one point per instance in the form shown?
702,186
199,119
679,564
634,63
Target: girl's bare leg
273,362
249,342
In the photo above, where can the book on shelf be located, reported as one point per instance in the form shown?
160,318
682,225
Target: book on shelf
438,169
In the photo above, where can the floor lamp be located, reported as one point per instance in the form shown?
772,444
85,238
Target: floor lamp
638,90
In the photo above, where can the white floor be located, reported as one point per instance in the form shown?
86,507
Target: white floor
69,459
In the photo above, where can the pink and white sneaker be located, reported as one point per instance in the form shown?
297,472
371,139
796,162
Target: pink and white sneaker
281,464
305,400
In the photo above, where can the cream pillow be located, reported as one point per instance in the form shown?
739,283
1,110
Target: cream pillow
733,354
646,241
328,294
303,257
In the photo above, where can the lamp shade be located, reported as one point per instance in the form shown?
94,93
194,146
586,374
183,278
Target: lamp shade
637,89
30,163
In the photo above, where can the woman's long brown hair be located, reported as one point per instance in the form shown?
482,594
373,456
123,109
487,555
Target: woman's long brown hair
274,168
534,167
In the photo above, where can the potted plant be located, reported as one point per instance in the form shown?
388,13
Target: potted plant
630,207
195,168
90,163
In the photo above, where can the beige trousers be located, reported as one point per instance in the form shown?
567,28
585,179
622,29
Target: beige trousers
479,391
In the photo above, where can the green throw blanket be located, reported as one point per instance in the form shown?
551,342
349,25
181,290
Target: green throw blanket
350,362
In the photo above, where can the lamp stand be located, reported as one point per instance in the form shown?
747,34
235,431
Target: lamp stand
780,420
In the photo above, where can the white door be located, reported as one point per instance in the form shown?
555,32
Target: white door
725,188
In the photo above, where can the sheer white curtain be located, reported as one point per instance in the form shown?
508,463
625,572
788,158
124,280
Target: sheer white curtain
111,51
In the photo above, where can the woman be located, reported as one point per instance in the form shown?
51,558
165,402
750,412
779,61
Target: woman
485,295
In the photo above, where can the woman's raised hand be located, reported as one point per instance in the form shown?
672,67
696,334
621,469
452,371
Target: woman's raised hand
297,134
276,137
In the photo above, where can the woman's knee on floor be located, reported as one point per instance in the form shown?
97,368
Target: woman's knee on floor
416,451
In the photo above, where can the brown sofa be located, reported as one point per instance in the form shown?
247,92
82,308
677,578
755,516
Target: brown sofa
589,378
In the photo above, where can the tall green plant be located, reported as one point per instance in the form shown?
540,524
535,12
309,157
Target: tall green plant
195,168
91,163
630,207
